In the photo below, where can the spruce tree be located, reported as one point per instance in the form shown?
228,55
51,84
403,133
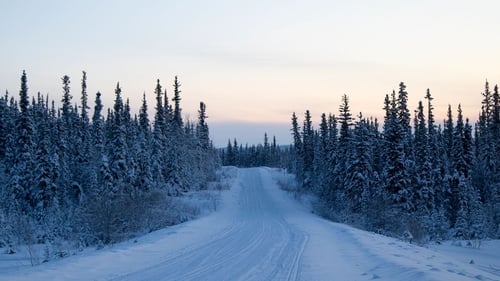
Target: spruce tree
448,137
434,155
202,132
395,172
297,148
359,172
118,144
345,120
421,138
143,115
404,118
21,180
344,146
84,99
177,117
320,162
66,100
423,197
307,149
159,140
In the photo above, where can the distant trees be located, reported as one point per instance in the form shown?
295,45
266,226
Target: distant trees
265,154
421,180
71,177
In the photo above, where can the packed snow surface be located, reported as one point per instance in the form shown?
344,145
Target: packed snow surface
261,233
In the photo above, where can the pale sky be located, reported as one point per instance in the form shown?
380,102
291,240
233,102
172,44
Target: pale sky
255,62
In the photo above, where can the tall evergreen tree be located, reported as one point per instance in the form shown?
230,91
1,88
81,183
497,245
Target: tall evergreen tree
320,168
359,172
421,137
202,128
66,100
307,148
395,172
21,178
143,115
448,135
118,144
84,99
345,120
423,197
159,140
402,107
177,117
297,148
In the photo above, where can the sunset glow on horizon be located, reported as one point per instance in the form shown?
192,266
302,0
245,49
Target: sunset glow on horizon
256,62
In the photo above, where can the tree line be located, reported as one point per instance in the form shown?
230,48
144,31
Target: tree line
69,175
410,177
268,154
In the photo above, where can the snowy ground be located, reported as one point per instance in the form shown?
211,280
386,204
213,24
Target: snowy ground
261,233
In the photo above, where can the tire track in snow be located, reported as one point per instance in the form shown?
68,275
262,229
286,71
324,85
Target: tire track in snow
258,244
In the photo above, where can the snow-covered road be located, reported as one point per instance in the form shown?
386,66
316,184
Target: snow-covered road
256,243
259,233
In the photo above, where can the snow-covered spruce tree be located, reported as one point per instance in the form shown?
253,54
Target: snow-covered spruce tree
343,151
424,192
96,225
159,138
265,152
477,216
117,145
177,115
433,140
99,159
320,165
177,167
429,216
397,184
107,209
202,133
377,148
395,172
359,172
437,223
228,157
420,136
297,151
67,108
142,146
307,151
84,171
274,157
46,161
237,153
404,119
331,159
205,151
131,133
448,138
20,185
67,144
